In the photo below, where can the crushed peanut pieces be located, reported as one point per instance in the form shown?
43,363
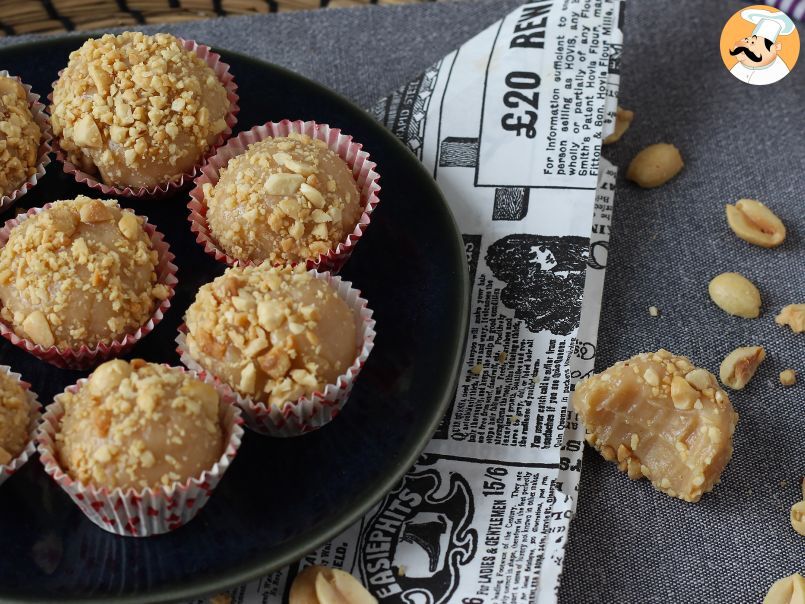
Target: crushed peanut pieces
139,425
140,110
623,119
284,200
788,377
79,273
739,366
274,335
658,416
322,585
15,416
19,136
792,315
789,590
653,311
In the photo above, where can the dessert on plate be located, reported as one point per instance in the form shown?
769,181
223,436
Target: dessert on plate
79,273
138,111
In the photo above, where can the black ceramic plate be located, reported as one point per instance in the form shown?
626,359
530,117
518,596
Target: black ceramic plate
281,498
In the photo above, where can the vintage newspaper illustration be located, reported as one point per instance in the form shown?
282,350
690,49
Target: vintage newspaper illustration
510,125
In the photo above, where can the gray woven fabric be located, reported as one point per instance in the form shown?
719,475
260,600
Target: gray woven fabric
630,544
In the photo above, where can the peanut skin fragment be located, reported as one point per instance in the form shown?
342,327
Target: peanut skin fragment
659,417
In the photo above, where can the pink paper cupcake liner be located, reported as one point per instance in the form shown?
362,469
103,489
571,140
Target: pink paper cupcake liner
145,512
221,70
6,471
351,152
43,159
309,412
85,357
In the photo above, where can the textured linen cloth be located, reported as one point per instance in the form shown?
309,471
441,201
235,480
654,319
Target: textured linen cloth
629,543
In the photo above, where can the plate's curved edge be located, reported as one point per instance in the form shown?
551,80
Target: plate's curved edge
292,554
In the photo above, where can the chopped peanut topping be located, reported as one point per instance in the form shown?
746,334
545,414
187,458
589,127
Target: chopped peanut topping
283,200
15,416
138,425
80,272
19,136
660,417
140,110
792,315
274,335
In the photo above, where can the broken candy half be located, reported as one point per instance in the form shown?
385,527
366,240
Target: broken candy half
658,416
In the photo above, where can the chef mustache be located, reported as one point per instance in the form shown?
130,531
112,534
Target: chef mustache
743,49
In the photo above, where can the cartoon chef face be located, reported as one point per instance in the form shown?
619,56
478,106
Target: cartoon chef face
755,51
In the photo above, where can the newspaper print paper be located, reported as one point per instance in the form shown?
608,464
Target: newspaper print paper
510,125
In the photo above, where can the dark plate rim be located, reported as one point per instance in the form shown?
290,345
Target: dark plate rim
293,552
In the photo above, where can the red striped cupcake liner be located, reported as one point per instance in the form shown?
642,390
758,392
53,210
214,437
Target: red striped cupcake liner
221,70
148,511
85,357
8,470
38,112
310,412
363,170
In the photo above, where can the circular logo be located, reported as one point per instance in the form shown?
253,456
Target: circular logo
760,45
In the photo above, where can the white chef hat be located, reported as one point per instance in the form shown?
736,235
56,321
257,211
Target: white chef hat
768,24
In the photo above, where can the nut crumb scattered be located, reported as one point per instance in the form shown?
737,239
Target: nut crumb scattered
222,598
654,311
788,377
502,356
477,369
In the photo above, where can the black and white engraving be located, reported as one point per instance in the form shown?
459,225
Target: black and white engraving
544,279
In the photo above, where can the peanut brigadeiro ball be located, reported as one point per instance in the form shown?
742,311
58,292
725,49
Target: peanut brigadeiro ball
139,425
138,110
15,417
273,335
284,200
79,273
19,137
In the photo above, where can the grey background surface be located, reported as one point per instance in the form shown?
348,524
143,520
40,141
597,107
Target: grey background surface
629,543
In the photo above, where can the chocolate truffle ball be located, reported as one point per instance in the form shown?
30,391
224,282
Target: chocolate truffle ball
79,273
15,418
137,110
19,137
274,335
139,425
284,200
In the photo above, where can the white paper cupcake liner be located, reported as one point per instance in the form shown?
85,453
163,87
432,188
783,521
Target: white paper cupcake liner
363,170
6,471
85,357
42,120
221,70
144,512
309,412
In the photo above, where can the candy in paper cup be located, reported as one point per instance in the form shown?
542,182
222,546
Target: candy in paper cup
84,357
312,411
363,170
7,470
221,70
43,155
148,511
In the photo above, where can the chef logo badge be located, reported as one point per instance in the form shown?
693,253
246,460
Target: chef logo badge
760,45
